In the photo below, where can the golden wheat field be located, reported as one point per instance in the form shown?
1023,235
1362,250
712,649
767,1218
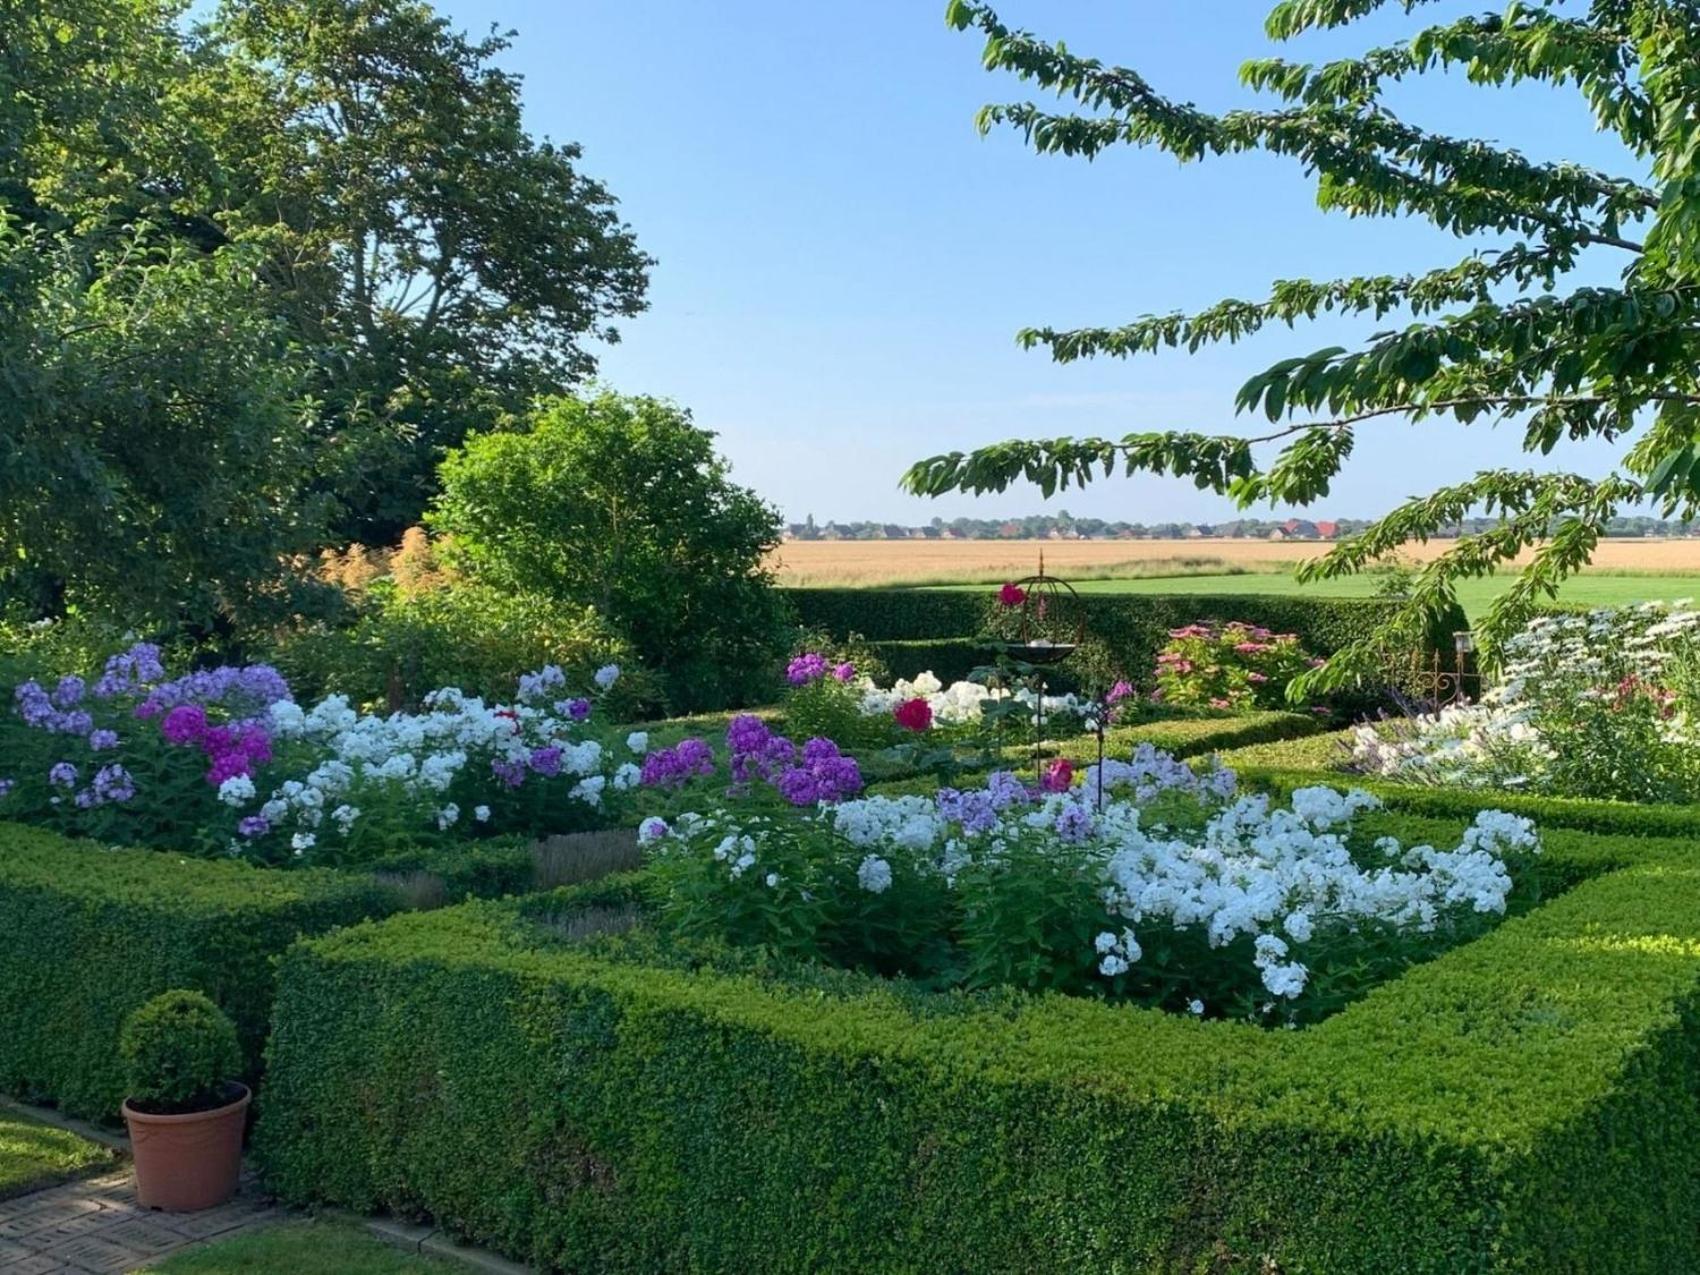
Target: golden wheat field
843,563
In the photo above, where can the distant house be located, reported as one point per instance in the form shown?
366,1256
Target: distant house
1328,530
1300,529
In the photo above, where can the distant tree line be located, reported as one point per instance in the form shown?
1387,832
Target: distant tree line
1064,526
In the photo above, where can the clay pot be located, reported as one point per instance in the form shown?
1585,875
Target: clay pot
188,1162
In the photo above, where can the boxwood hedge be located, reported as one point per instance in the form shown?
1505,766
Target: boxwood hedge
1529,1101
88,933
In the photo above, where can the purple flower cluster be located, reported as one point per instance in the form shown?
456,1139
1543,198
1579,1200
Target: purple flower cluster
546,761
511,773
236,748
757,753
676,766
111,784
62,774
246,690
825,774
811,666
977,809
130,671
805,668
573,709
57,713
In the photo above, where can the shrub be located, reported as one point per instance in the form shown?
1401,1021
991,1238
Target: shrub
476,638
1527,1101
180,1054
1228,666
87,934
622,504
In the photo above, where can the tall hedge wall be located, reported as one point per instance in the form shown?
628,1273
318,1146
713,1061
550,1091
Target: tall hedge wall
1529,1101
88,933
1133,626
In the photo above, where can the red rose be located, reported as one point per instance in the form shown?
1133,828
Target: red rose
914,714
1012,595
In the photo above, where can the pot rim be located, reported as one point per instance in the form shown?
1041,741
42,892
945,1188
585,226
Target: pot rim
190,1117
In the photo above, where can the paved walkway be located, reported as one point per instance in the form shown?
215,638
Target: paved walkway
95,1227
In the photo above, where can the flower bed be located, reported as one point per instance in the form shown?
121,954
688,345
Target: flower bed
1526,1101
1148,882
223,761
1602,705
1229,666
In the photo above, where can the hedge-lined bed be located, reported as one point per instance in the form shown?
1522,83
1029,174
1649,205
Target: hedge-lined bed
1527,1101
88,933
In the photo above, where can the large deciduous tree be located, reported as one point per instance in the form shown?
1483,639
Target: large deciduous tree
1497,338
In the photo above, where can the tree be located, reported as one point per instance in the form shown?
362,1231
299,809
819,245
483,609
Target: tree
1494,337
155,428
442,267
622,504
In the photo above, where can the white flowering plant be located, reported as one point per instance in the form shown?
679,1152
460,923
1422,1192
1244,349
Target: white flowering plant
1598,705
1178,892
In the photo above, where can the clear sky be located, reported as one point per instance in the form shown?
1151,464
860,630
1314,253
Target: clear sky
843,262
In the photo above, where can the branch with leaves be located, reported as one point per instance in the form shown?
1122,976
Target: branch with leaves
1492,339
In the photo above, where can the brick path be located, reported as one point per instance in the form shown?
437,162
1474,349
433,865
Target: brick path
95,1227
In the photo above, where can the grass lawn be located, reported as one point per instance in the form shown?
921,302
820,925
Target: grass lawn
35,1155
1592,588
302,1248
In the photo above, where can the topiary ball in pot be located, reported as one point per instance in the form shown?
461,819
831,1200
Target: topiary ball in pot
185,1111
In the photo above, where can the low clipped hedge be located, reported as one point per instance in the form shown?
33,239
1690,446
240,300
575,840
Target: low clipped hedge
1529,1101
1134,625
88,933
949,659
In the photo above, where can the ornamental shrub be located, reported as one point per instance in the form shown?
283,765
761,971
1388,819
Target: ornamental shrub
1228,666
622,504
180,1054
406,643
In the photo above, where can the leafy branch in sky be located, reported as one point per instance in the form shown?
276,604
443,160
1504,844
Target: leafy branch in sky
1493,338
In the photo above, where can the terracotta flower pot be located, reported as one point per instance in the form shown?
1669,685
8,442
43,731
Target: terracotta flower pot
188,1162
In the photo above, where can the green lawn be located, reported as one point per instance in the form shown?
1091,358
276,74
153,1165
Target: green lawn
1591,588
35,1155
302,1248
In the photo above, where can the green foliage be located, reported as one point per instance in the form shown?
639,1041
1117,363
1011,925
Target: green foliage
1491,338
622,504
440,266
155,431
87,934
586,1111
949,659
893,615
464,634
180,1053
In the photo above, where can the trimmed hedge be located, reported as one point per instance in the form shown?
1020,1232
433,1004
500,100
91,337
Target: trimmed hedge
88,933
1529,1101
950,659
1133,626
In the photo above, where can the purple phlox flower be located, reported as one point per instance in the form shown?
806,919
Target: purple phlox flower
1005,789
674,767
825,774
1074,823
246,690
254,826
69,692
236,748
843,672
546,761
130,671
575,709
101,740
111,783
975,811
62,774
510,772
747,733
536,685
37,709
184,724
805,668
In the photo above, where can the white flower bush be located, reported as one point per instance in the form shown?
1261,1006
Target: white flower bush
1176,892
960,703
1596,705
369,782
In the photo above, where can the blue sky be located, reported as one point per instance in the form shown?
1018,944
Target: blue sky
843,261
